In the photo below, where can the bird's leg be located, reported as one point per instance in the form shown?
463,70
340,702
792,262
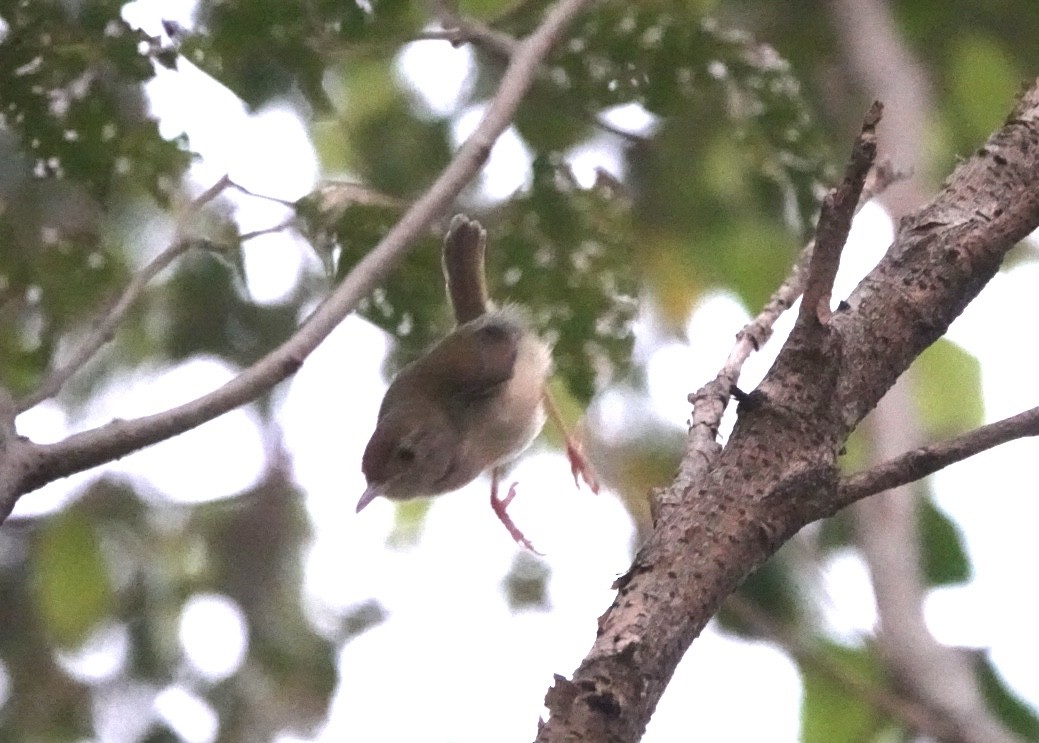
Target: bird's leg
500,504
580,467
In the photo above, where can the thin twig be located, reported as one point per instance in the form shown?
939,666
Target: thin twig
921,462
266,197
884,175
267,230
458,31
835,221
105,327
470,30
118,438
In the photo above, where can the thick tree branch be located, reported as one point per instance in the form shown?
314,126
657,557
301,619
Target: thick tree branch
778,471
36,465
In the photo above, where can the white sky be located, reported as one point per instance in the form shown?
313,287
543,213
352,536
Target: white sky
449,628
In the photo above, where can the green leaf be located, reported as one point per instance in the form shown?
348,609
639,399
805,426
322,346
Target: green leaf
397,152
837,531
539,123
526,583
207,312
1015,714
72,94
984,82
943,553
834,712
948,389
770,589
73,591
264,49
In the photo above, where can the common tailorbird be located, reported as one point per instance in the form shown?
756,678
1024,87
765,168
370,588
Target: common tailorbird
471,403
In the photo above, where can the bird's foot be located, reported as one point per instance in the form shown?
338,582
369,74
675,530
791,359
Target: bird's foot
580,467
500,505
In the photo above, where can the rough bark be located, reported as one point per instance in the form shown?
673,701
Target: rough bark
778,471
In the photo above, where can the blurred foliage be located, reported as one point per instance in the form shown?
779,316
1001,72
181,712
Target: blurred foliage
263,49
408,523
946,380
74,136
771,591
943,554
832,708
71,580
212,313
72,96
526,583
569,253
1015,714
718,191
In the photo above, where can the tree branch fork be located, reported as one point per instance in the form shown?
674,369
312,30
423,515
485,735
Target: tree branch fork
729,509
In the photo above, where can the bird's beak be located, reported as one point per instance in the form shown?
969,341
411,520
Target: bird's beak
372,492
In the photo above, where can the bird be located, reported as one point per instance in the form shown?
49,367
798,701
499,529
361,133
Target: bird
470,404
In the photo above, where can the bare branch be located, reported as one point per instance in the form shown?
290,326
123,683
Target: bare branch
265,197
118,438
778,471
459,30
835,220
283,225
883,175
927,460
104,328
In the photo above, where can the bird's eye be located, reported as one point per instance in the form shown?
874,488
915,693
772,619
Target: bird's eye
405,454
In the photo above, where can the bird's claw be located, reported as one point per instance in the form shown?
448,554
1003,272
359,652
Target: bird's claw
499,505
580,467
